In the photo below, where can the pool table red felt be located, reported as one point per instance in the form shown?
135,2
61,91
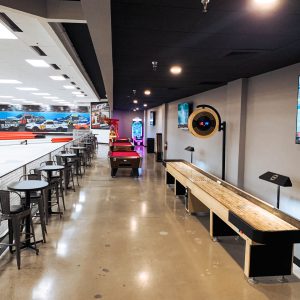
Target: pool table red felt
124,154
124,159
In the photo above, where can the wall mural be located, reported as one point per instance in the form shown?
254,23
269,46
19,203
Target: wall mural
99,114
39,118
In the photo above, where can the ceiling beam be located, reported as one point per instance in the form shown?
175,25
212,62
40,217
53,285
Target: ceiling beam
53,10
98,16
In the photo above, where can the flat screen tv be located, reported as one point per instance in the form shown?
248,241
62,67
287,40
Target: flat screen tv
152,118
298,114
184,110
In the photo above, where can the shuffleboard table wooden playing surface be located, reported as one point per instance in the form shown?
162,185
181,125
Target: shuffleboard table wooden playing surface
269,234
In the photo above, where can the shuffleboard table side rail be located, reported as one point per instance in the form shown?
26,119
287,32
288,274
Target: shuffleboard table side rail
284,216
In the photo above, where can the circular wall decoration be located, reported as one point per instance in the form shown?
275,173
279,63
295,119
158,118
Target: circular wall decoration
204,122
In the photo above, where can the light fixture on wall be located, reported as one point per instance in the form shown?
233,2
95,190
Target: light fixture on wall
205,3
147,92
145,105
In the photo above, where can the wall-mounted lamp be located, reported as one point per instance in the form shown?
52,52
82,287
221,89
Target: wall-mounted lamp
190,149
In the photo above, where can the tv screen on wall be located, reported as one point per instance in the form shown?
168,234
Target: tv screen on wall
183,114
152,118
298,114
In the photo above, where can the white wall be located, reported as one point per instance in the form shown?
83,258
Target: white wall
261,125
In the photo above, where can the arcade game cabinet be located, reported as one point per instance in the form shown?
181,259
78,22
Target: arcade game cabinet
137,131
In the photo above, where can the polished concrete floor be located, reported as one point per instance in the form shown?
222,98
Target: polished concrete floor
126,238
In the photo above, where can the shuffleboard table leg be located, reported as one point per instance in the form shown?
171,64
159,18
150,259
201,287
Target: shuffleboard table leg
169,178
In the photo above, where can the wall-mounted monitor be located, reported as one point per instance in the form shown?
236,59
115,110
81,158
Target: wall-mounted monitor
152,118
298,115
184,110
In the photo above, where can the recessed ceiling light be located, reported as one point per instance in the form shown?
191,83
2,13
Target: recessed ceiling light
145,105
135,101
80,96
137,108
15,99
50,97
27,89
6,97
147,92
38,63
6,34
10,81
134,109
176,70
266,3
69,87
41,94
57,78
76,93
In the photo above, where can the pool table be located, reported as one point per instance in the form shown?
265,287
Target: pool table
126,159
124,146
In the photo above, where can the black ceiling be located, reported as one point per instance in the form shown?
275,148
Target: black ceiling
229,42
80,37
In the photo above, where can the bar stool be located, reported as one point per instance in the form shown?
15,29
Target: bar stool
69,174
74,161
48,203
15,215
56,179
37,198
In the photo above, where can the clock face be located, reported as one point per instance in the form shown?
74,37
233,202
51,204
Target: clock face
203,122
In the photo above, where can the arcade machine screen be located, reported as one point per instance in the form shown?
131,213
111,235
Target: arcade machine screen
137,131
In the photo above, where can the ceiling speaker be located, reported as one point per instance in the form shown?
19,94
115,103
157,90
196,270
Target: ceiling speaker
204,122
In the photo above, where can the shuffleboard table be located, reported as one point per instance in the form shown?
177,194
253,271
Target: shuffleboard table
121,146
128,159
269,234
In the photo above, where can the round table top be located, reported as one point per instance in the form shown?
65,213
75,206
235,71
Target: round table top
27,185
51,168
78,147
67,155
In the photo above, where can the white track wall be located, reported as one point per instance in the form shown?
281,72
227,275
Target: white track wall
261,123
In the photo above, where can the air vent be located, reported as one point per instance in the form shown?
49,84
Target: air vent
211,82
242,53
13,26
55,66
38,50
72,82
66,76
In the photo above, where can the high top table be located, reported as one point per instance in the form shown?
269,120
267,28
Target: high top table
27,186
